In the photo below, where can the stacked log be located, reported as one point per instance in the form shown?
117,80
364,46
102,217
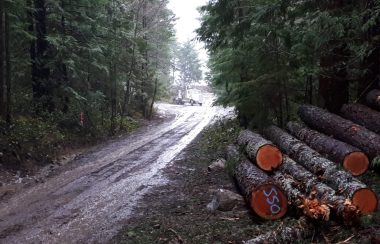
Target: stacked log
360,195
352,158
373,99
311,206
266,198
341,207
292,234
261,151
362,115
342,129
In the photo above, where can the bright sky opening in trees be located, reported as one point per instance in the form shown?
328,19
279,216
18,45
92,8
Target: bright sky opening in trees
187,22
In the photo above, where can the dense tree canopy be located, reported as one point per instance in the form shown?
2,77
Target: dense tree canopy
268,56
188,64
105,58
78,70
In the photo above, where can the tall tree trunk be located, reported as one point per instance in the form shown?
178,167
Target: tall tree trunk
63,66
8,67
42,87
32,50
153,99
113,97
333,84
2,32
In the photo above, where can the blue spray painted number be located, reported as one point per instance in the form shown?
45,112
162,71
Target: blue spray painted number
273,201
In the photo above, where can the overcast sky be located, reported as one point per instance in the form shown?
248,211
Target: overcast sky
188,21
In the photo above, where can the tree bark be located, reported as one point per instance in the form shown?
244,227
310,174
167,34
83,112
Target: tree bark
342,129
42,87
311,207
266,198
2,83
362,115
352,158
373,99
286,235
8,68
153,98
333,83
341,207
261,151
359,193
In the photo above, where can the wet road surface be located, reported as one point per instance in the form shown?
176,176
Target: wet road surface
89,201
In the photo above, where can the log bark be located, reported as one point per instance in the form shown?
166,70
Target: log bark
342,129
352,158
343,182
373,99
266,198
261,151
342,208
286,234
362,115
2,48
311,207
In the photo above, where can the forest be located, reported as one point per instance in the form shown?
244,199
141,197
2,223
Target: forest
74,72
269,56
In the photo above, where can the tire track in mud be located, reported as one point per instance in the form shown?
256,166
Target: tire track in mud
90,202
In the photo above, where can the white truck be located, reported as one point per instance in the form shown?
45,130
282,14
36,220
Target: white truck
191,96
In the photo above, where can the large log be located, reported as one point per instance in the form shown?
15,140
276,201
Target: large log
352,158
341,207
261,151
266,198
342,129
343,182
286,234
362,115
311,206
373,99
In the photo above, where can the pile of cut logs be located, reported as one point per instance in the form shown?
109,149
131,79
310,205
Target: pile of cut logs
312,166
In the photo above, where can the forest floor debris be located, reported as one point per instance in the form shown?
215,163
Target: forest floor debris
181,205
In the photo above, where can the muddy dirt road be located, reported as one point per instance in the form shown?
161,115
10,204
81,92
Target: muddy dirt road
91,198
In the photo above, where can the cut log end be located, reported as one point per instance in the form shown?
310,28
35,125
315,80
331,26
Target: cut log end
269,157
366,200
356,163
269,202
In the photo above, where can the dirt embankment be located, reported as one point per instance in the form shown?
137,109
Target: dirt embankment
177,213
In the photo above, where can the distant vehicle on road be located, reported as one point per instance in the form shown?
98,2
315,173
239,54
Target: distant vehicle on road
192,97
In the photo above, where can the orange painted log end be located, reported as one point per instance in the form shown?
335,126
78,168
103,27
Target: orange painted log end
366,200
269,157
356,163
269,202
